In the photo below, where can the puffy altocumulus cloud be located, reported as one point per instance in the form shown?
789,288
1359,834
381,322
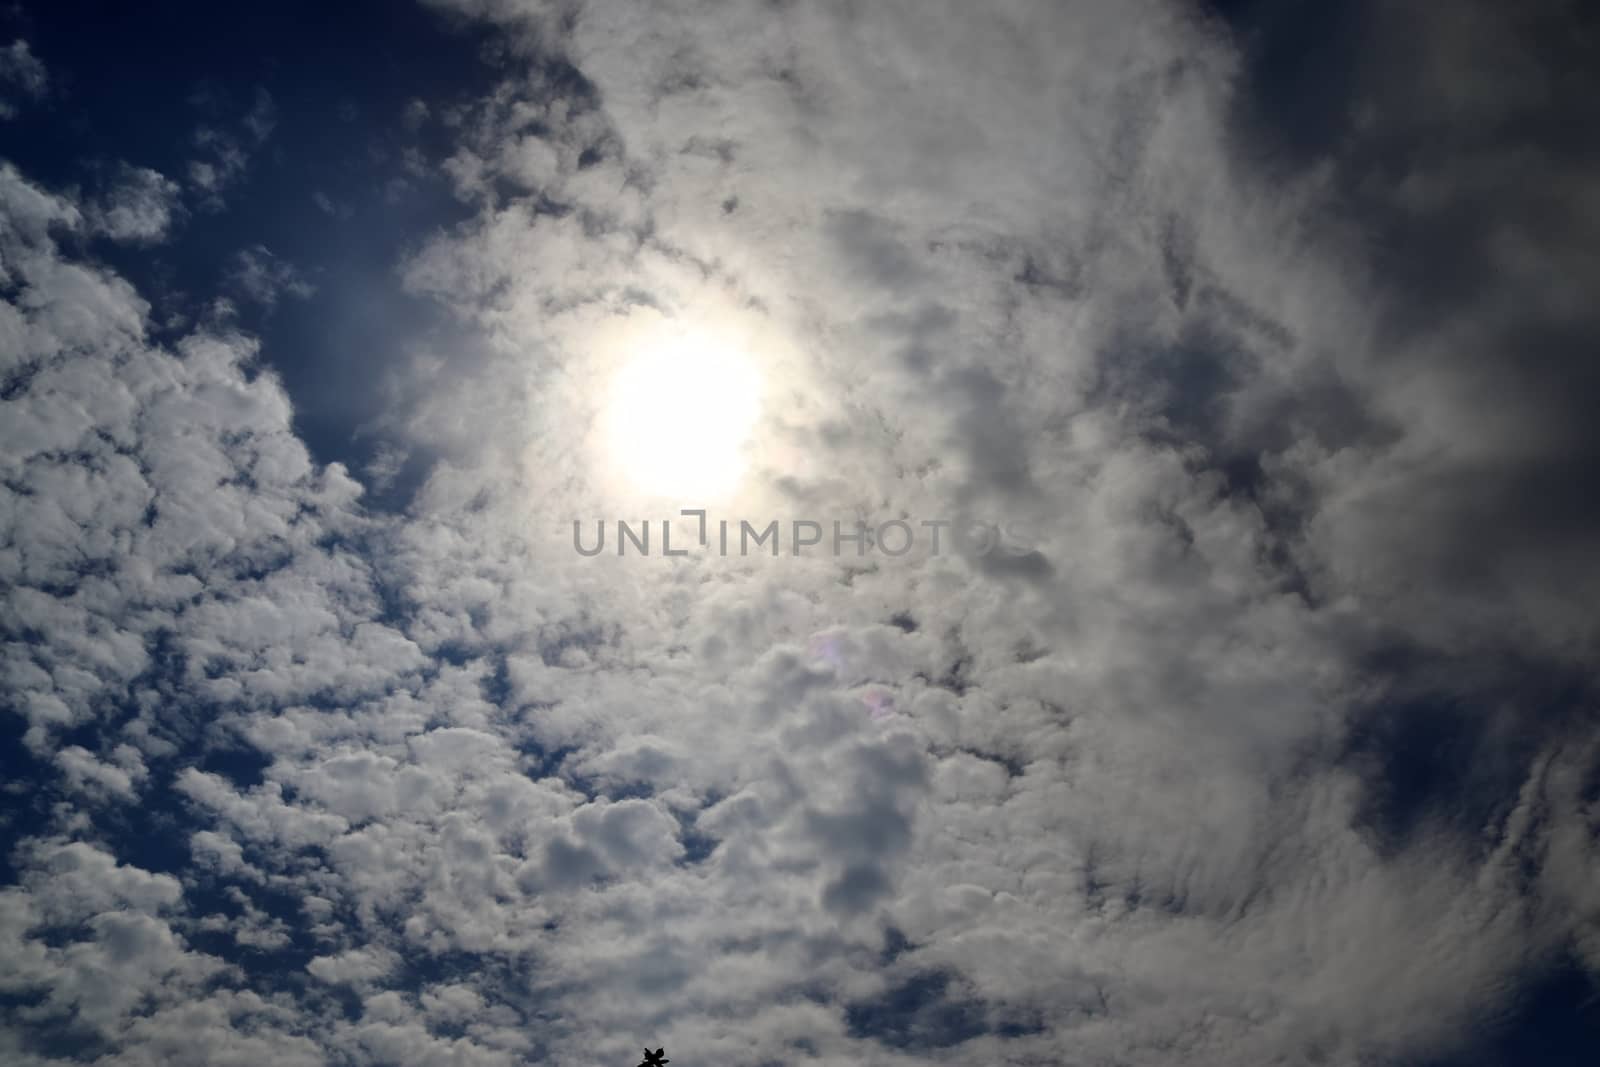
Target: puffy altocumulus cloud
160,525
141,205
501,804
1013,262
135,477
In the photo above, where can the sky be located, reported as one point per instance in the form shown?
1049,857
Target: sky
1241,354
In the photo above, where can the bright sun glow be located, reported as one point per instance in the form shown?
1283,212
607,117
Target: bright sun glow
680,412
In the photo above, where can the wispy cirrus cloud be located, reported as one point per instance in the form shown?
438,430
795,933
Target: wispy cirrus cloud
224,153
22,73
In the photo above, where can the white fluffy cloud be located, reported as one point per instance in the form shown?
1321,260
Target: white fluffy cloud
1018,269
141,206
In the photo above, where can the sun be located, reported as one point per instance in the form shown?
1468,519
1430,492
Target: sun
679,416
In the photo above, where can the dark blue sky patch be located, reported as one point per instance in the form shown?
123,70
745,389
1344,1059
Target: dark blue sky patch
1554,1021
265,969
895,945
1301,59
697,844
924,1013
243,767
25,811
49,1034
153,834
336,83
419,970
1454,756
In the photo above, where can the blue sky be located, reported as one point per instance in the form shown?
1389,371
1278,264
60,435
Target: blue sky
1262,328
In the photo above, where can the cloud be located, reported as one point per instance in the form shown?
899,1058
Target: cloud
226,153
142,485
141,207
21,72
1088,314
258,275
428,786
